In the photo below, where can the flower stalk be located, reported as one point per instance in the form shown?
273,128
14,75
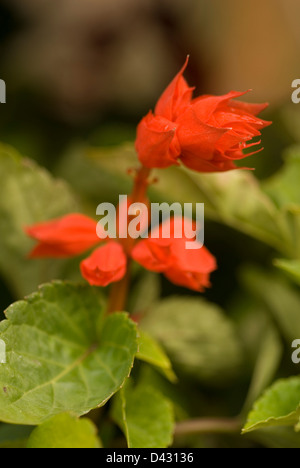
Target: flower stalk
119,291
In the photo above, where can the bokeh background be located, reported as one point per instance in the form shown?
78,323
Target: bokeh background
73,68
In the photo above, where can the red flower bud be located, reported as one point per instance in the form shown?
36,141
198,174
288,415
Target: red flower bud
68,236
106,265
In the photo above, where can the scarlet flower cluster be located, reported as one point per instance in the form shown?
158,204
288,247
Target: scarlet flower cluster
74,234
206,134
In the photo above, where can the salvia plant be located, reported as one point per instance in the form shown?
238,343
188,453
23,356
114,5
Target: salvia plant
98,356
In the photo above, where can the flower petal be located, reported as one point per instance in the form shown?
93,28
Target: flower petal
175,98
253,109
195,281
153,254
205,106
156,142
197,140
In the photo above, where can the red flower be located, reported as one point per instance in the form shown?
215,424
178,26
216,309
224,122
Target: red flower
106,265
74,234
206,134
71,235
183,267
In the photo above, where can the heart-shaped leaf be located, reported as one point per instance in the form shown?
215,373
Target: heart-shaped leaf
62,355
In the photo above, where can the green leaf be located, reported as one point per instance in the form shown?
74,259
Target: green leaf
268,359
251,319
280,298
279,406
145,417
199,339
145,292
283,187
65,431
152,353
291,267
277,437
149,376
257,215
28,195
58,358
102,177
